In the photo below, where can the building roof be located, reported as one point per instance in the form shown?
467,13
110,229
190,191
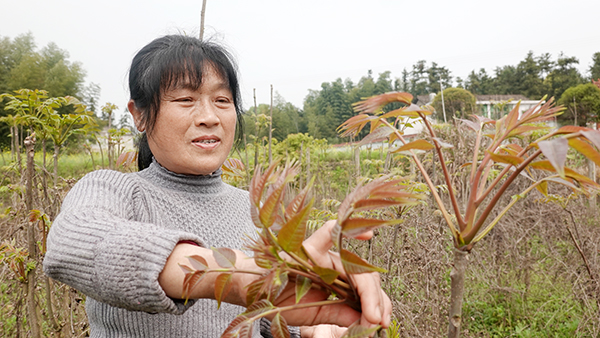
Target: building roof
501,98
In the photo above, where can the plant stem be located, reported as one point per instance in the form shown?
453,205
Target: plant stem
436,196
457,287
438,149
469,236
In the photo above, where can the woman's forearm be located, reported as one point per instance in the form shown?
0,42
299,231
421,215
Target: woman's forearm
172,277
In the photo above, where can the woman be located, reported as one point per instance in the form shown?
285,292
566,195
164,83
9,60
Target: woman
120,237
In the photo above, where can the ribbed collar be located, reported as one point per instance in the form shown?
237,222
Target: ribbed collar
162,177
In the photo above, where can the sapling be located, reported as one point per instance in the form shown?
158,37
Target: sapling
494,147
279,250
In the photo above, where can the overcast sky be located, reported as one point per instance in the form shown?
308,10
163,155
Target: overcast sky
297,45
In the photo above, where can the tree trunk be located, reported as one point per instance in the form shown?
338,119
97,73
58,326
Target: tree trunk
56,150
44,178
13,141
49,301
18,149
101,153
457,288
271,127
34,323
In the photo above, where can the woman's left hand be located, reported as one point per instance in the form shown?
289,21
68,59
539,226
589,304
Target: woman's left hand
322,331
376,306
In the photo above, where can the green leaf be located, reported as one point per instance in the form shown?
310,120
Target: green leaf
543,188
225,257
279,328
292,233
556,152
354,264
357,331
418,145
355,226
585,149
326,274
222,287
303,285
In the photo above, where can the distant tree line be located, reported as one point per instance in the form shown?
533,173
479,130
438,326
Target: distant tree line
534,77
23,65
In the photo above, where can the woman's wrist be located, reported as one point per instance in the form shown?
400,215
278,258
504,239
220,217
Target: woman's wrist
172,277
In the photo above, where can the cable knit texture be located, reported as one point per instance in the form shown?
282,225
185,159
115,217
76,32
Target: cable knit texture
114,234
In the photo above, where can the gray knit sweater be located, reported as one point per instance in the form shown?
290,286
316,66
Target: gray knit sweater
114,234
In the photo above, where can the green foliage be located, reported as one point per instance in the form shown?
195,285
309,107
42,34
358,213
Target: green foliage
595,67
290,147
458,102
582,103
48,69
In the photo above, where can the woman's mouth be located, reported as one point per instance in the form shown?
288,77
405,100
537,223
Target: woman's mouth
207,142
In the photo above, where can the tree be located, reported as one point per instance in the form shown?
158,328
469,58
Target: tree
419,79
480,83
582,103
595,67
565,75
494,147
506,80
22,66
458,102
438,77
530,82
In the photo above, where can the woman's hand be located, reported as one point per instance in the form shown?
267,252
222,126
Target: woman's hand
322,331
375,304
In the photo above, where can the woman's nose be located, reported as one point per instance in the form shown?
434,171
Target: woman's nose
206,115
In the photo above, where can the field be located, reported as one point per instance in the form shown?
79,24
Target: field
535,275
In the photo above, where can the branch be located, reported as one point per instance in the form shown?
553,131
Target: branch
436,196
496,198
438,149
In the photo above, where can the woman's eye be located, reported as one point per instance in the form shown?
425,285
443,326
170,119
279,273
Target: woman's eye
184,99
223,100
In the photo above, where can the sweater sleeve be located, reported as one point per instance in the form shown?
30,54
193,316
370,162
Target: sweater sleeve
96,245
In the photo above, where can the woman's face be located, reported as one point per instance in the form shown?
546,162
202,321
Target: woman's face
195,129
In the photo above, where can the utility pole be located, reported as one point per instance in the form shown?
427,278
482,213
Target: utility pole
271,126
202,19
443,105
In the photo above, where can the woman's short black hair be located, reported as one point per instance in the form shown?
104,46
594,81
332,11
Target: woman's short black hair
171,61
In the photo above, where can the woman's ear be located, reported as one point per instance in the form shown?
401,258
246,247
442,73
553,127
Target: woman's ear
137,116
